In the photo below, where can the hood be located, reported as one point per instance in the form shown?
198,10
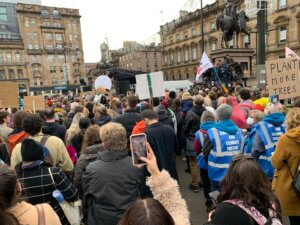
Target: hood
186,105
103,120
276,119
140,127
94,149
207,125
49,127
227,126
198,110
162,117
294,134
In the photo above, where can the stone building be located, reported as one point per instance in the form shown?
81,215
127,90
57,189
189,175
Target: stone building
13,64
53,46
144,58
181,38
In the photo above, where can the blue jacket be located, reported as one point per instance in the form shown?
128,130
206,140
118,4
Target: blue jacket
225,147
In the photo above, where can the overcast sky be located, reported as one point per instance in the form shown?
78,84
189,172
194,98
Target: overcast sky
120,20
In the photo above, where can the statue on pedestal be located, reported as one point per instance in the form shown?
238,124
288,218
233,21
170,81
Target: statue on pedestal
231,21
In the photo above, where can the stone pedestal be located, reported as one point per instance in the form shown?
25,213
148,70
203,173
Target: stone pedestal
241,55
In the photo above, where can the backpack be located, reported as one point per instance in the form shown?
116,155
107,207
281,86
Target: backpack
15,139
256,215
296,179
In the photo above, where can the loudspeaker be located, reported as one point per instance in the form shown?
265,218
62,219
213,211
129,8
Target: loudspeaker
122,86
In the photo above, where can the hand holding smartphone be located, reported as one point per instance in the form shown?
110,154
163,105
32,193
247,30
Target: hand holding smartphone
138,145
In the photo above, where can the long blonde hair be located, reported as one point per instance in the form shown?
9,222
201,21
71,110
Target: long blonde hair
74,128
292,119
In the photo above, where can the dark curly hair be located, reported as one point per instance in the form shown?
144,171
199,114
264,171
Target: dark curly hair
33,124
3,116
19,119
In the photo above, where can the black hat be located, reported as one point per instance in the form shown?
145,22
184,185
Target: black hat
160,109
31,150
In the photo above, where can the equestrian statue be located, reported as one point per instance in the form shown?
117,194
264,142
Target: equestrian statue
231,21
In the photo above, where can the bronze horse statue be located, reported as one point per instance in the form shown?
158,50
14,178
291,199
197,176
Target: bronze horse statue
230,23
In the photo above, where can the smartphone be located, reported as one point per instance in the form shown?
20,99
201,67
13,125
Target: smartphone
138,144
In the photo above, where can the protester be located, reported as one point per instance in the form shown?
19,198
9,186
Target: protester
5,131
238,116
223,142
163,117
77,139
245,101
166,208
18,122
264,100
266,137
57,150
192,122
50,127
16,212
208,121
120,181
4,155
101,116
163,140
246,196
285,161
172,98
90,107
75,108
35,178
130,116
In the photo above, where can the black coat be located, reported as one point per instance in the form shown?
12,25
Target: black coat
163,141
4,156
68,120
113,184
129,120
103,120
54,129
165,119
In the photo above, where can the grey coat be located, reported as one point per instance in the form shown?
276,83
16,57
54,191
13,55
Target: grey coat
113,184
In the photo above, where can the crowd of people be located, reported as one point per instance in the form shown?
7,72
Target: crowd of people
242,148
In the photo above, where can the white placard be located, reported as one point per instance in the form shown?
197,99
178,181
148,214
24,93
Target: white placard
157,80
103,81
142,88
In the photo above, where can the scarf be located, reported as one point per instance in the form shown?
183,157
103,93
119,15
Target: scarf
227,126
207,125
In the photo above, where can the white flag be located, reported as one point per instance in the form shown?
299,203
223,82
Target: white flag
205,64
290,53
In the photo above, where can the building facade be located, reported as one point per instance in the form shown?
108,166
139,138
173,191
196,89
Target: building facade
34,2
13,65
181,38
145,58
53,44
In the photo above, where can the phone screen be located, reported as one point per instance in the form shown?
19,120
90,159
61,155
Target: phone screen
138,148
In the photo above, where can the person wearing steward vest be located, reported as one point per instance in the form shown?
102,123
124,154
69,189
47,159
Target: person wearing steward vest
222,143
208,120
266,136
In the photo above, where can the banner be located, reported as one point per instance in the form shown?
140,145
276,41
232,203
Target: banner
283,77
34,103
9,94
150,85
205,64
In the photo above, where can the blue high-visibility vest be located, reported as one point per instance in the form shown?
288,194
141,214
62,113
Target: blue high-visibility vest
249,141
201,163
269,134
225,147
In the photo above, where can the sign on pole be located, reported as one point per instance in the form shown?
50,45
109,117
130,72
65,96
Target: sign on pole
150,85
283,77
34,103
9,94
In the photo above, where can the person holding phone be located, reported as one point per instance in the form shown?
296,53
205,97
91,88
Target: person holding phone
166,208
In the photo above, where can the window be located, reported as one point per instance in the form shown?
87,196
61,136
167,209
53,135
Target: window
76,37
194,53
26,23
48,36
171,39
46,23
20,74
55,12
172,57
2,74
155,55
186,55
57,24
29,46
50,58
213,46
282,35
155,65
52,69
281,4
69,25
18,58
213,26
59,46
61,58
59,37
246,41
70,37
179,56
74,25
49,47
3,13
177,37
36,46
193,32
33,23
8,57
166,59
11,74
34,35
53,81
